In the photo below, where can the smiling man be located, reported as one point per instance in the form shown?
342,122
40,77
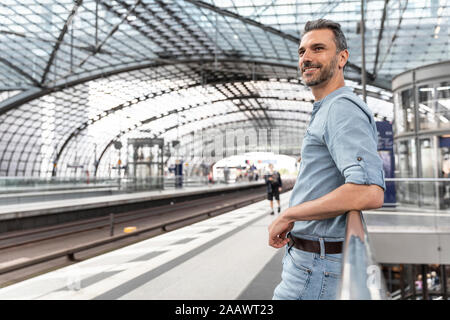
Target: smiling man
340,171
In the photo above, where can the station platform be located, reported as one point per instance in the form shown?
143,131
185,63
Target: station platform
54,195
43,209
226,257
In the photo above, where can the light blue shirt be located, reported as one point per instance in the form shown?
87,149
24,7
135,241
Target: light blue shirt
339,146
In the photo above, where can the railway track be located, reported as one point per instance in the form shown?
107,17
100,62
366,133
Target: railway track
66,240
16,239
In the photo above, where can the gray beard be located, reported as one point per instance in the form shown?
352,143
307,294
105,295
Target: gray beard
325,75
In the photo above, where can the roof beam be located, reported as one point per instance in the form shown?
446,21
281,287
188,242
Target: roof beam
269,122
297,128
186,28
227,13
34,93
99,46
394,37
156,135
159,40
279,33
20,71
60,39
380,36
242,106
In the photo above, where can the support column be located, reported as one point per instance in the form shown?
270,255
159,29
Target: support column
424,282
402,282
444,282
413,281
363,53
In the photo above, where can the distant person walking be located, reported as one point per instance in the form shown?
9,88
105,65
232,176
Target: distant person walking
274,186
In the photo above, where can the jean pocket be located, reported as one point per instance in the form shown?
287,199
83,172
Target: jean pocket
334,257
300,259
295,280
330,285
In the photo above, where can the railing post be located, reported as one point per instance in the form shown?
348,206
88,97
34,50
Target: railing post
402,282
444,282
362,278
424,282
111,224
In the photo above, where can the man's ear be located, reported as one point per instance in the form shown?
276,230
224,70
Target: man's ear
343,57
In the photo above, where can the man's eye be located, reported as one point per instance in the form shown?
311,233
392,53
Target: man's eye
318,48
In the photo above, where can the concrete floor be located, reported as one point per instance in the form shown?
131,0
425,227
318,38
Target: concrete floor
225,257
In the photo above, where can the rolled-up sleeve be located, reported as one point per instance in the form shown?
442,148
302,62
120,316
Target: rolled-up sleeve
351,139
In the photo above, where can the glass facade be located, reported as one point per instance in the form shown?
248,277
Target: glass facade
405,163
434,107
404,111
422,144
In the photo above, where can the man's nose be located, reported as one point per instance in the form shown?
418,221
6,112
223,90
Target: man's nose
305,57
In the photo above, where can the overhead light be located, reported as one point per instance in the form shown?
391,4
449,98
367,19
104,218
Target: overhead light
437,29
424,107
426,89
443,88
443,119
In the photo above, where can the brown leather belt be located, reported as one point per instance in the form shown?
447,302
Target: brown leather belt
314,246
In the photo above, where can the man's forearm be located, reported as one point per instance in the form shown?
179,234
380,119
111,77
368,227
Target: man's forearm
345,198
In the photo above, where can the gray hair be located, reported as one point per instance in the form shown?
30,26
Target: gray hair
339,37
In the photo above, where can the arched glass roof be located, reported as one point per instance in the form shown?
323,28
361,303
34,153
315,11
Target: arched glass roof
76,75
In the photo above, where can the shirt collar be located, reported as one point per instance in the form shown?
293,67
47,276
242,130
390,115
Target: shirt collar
317,104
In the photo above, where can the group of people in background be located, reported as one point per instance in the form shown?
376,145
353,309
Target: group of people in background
433,281
251,174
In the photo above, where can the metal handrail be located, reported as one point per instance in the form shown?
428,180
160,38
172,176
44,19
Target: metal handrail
362,278
417,179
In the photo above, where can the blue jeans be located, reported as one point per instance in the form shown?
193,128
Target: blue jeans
309,276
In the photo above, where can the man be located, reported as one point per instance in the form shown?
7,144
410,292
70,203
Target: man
340,171
274,187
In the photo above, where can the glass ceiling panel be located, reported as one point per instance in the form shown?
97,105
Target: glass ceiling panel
398,49
111,69
52,42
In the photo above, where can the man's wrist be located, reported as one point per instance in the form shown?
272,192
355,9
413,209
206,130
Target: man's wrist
287,216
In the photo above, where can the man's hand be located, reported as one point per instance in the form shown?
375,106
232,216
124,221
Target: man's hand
278,230
279,189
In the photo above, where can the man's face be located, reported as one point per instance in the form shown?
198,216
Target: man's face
318,60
